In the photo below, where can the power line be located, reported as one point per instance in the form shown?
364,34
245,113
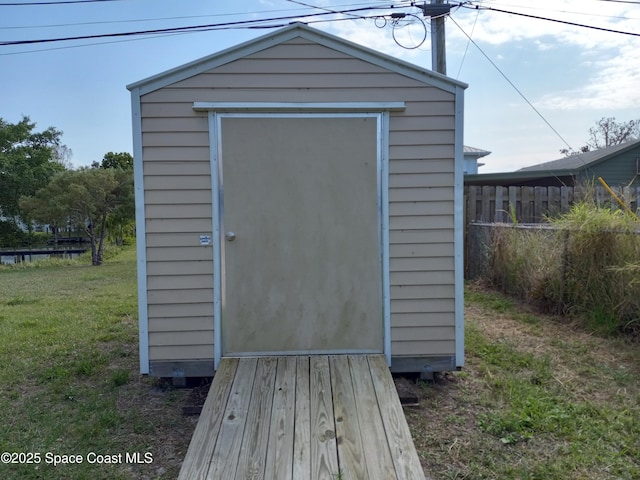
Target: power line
621,1
183,17
237,24
66,2
571,12
329,10
158,19
527,15
466,48
513,85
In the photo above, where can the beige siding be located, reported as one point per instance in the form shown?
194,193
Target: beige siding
178,191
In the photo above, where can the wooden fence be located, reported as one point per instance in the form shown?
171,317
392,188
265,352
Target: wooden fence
534,204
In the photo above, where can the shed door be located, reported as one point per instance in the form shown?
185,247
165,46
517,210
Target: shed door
303,273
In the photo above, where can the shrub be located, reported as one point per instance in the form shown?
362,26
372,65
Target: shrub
586,265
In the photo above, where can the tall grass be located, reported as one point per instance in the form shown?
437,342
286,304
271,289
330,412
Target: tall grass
587,265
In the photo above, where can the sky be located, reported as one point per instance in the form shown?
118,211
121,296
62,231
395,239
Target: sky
535,86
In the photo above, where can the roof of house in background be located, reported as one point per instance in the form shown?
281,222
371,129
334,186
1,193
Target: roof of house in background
475,152
562,169
578,161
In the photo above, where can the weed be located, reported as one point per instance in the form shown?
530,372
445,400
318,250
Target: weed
119,378
585,265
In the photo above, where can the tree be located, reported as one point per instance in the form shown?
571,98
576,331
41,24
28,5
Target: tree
608,132
123,161
85,197
28,160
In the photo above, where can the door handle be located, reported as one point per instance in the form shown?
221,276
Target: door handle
230,236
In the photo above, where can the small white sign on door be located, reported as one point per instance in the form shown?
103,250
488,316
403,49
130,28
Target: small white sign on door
205,240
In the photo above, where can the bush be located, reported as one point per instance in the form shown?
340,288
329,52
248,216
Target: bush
585,265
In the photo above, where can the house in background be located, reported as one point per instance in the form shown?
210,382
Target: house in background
618,165
471,156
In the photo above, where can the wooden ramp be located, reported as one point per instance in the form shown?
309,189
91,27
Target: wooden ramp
333,417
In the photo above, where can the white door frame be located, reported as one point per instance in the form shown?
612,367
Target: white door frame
218,112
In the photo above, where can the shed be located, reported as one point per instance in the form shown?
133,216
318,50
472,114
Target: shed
298,194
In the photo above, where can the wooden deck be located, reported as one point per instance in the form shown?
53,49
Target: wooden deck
302,417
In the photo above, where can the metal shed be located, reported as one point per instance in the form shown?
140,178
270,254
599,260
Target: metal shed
298,194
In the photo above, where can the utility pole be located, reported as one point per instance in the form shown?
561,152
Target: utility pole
437,11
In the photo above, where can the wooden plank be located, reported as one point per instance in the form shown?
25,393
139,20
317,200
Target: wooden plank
251,463
553,201
376,448
324,456
472,208
488,194
280,447
403,452
526,195
500,212
514,193
350,449
202,444
302,417
302,434
539,203
224,460
566,197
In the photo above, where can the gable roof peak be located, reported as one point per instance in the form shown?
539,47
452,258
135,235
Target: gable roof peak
295,30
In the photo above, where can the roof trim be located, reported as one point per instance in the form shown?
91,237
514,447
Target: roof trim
299,107
290,32
517,175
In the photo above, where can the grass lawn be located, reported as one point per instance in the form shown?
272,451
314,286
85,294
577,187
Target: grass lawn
538,399
69,383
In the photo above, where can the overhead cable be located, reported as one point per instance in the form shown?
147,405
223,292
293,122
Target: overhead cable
250,24
513,85
61,2
565,22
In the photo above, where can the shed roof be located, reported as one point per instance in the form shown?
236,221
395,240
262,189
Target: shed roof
292,31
